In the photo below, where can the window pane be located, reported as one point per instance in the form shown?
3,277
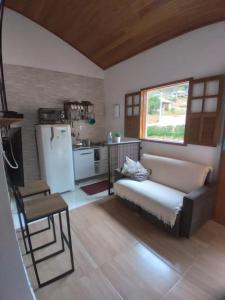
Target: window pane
129,100
129,111
166,112
212,87
210,105
136,100
136,110
198,89
196,106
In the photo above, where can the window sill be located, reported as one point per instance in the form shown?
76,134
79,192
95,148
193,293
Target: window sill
164,142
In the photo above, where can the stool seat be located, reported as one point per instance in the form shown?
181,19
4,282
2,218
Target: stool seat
33,188
44,206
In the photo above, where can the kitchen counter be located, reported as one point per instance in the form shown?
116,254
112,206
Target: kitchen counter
124,141
93,146
104,144
79,148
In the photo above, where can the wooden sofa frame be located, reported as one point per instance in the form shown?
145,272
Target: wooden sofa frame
196,210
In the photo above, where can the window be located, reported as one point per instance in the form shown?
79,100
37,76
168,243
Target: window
165,112
132,115
204,113
187,111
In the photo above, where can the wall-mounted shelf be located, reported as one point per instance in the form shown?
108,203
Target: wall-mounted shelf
76,110
9,121
9,117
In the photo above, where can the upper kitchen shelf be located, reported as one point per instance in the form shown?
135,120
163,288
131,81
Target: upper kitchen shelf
78,110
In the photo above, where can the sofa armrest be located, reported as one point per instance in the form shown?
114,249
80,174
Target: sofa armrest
197,209
118,175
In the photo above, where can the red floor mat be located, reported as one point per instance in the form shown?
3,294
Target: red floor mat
95,188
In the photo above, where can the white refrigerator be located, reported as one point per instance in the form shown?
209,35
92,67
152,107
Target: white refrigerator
56,156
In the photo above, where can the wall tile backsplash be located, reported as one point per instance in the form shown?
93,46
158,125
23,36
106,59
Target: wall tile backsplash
29,88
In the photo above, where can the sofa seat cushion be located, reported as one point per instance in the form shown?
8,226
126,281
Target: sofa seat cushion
161,201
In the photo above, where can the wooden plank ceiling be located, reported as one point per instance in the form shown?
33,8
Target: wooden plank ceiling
110,31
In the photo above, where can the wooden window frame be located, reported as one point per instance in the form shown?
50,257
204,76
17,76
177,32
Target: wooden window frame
132,131
204,114
143,112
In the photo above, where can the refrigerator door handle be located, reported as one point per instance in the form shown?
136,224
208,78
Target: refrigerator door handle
52,134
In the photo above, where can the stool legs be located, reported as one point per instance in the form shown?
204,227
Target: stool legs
32,254
61,230
53,226
64,240
25,234
70,240
21,228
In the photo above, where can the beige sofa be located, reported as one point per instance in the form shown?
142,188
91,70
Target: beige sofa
176,194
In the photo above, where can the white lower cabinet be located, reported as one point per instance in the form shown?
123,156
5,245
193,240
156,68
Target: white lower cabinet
83,164
90,162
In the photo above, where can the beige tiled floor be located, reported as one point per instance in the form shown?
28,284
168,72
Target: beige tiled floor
120,255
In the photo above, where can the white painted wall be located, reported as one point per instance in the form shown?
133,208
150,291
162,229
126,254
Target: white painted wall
13,280
26,43
197,53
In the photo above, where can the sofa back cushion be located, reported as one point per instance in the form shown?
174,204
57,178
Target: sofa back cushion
178,174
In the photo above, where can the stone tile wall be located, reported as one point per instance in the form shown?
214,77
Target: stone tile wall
30,88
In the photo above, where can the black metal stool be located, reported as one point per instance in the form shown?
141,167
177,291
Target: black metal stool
31,189
45,207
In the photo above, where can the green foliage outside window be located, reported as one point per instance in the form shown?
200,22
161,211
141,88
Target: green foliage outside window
153,104
174,132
